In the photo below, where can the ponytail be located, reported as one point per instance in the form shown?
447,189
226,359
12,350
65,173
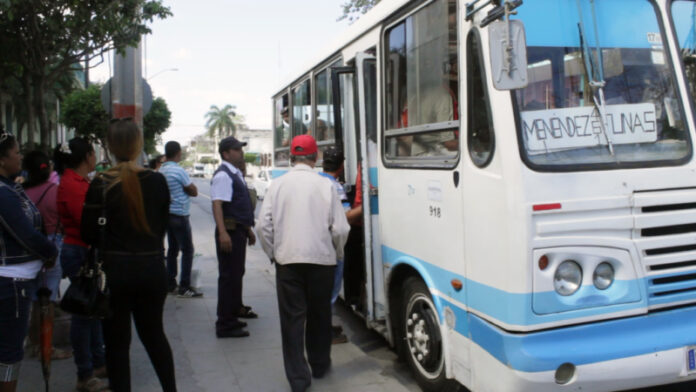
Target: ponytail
126,173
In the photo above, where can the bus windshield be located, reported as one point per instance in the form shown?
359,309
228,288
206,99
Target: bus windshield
594,60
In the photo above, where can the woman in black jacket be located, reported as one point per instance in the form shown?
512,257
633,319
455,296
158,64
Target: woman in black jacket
24,250
136,202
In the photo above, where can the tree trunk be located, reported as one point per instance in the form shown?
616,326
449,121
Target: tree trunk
31,115
40,102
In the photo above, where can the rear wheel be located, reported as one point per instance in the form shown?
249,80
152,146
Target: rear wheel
421,339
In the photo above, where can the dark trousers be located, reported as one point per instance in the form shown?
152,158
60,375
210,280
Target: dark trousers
15,300
179,238
304,298
231,272
138,287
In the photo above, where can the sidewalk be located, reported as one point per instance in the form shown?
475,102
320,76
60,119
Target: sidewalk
252,364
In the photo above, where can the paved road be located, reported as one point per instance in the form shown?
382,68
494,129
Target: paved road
254,364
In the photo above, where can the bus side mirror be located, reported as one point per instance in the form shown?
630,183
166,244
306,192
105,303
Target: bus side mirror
508,48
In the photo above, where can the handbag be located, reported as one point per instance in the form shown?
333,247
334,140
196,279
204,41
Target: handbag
88,293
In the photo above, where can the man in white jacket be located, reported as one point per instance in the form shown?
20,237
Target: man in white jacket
302,228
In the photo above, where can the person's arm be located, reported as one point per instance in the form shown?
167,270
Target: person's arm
220,192
265,225
339,225
224,238
188,185
191,190
21,228
355,215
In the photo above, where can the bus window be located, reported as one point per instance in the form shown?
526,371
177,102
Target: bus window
281,123
480,136
422,84
632,84
324,130
301,108
684,17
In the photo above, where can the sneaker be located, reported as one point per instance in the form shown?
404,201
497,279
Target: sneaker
101,372
339,338
189,292
173,290
92,384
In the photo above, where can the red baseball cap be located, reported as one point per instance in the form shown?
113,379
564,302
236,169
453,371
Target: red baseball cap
303,145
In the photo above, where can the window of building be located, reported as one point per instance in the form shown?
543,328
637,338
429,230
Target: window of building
422,85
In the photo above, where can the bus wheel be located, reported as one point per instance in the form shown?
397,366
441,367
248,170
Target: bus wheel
421,340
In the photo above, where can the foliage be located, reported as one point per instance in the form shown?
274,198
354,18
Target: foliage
352,9
250,157
210,160
47,39
82,110
155,122
221,121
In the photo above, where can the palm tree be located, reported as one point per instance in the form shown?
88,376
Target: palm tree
221,122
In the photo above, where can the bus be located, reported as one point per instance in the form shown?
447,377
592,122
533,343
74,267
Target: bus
528,184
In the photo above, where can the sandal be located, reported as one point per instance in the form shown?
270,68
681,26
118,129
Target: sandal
246,312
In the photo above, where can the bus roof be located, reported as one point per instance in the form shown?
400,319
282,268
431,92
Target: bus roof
363,25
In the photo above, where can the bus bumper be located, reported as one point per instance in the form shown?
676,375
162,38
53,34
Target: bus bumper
634,352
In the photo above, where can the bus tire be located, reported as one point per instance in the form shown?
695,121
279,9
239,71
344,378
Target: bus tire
421,340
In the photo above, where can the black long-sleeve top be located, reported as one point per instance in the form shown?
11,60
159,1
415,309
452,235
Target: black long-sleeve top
121,235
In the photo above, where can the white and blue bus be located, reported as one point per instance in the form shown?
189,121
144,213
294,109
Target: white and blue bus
529,186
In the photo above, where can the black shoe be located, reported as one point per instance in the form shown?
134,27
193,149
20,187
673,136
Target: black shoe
237,325
232,333
336,329
321,372
189,292
173,290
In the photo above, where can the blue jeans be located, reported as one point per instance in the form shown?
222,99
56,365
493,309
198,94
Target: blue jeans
179,238
15,300
86,335
338,280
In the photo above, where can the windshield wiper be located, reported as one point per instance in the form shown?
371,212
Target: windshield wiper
597,85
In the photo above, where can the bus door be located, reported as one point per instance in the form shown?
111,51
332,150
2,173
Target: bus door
366,88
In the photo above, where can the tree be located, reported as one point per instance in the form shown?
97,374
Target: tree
50,38
155,122
221,122
352,9
82,110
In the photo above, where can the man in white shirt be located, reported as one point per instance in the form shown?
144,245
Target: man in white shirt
303,227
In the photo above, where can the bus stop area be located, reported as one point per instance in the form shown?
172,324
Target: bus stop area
252,364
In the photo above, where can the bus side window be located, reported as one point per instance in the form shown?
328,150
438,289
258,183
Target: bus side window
281,123
480,135
301,108
422,84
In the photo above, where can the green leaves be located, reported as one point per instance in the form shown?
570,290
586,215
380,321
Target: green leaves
155,122
82,110
223,121
352,9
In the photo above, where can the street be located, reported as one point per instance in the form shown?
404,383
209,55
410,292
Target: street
253,364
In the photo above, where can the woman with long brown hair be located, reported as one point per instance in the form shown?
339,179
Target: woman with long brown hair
136,202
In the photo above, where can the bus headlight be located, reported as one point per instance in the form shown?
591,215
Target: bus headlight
568,278
603,276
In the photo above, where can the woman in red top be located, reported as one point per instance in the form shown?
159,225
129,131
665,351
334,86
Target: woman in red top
74,161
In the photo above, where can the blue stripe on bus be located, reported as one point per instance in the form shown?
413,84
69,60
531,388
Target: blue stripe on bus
275,173
584,344
518,308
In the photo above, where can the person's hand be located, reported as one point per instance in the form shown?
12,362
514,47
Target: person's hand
19,180
252,237
225,242
50,263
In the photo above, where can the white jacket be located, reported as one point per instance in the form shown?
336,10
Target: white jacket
302,219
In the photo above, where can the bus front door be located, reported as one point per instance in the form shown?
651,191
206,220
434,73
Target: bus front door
365,84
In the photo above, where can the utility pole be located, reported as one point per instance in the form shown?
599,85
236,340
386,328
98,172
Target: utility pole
127,85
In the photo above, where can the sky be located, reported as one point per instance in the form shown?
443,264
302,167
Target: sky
230,52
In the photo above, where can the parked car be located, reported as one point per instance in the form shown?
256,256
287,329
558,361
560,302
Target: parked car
198,170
